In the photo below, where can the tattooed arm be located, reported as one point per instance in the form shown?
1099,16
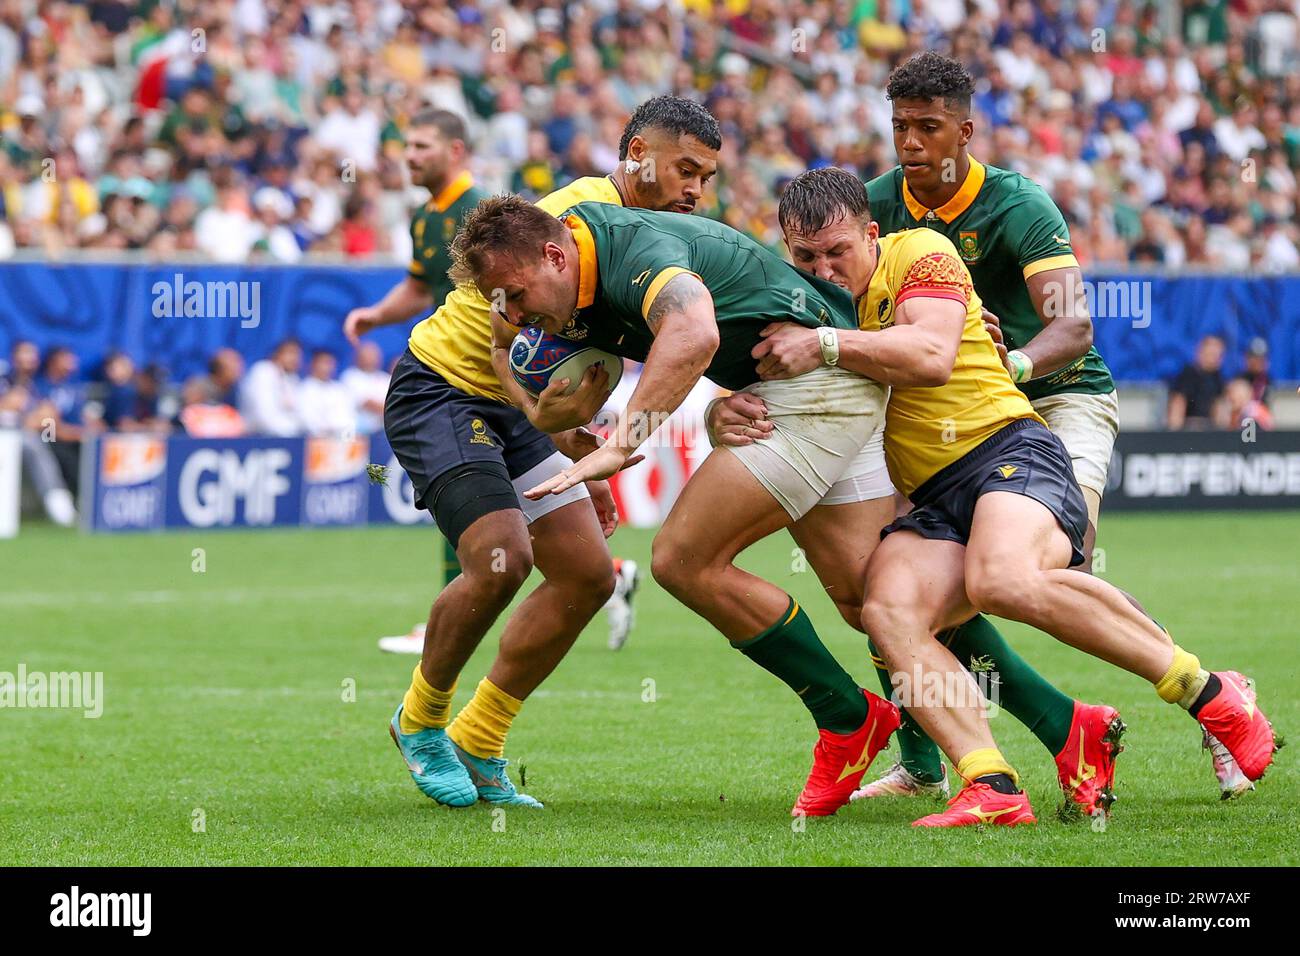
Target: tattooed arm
686,336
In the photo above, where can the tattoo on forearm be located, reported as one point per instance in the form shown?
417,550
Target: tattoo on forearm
679,292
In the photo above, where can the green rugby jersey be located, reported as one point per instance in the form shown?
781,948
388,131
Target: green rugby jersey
433,226
1006,228
627,256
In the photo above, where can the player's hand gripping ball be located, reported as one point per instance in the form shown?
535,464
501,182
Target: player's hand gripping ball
536,357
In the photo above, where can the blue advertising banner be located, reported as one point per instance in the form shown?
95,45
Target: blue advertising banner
128,483
234,482
178,315
146,483
335,489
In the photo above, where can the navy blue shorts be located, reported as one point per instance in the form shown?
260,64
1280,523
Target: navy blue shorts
434,427
1024,458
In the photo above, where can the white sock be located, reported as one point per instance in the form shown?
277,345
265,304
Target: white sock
59,506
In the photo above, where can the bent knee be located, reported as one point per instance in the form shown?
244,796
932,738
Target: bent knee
676,569
888,620
500,570
592,580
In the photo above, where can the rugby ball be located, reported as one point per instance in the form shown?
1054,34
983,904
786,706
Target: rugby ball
536,357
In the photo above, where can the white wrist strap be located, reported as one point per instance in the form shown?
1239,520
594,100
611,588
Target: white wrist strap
1022,366
829,339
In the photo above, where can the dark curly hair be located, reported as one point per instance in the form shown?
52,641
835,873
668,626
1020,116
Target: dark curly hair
673,114
932,76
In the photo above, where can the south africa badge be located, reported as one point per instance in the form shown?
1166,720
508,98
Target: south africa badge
968,244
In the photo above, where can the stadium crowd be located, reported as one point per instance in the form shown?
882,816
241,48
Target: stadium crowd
242,130
272,129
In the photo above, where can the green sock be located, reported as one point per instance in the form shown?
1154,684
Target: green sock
1023,691
450,563
791,650
917,752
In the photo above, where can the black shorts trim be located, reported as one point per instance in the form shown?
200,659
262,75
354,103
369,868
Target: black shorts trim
459,497
1023,458
433,427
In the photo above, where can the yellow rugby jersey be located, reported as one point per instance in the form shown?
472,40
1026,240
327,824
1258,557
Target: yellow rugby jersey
927,429
456,341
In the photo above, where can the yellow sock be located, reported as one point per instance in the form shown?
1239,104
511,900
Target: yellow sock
481,726
979,763
425,706
1183,679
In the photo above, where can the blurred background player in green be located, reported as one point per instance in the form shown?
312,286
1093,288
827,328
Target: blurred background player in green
1016,245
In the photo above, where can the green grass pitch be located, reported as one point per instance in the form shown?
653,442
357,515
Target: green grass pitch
228,735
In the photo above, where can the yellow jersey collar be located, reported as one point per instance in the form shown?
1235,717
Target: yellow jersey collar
587,269
960,201
452,191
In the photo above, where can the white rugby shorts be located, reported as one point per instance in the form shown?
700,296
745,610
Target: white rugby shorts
825,422
540,472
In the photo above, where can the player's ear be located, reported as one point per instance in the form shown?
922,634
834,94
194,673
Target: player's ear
965,131
555,256
637,148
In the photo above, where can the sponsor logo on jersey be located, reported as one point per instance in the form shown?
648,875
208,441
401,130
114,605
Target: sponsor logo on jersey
480,436
1006,471
574,330
884,313
968,244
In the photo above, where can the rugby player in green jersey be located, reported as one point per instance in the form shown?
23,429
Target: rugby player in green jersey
1016,245
690,297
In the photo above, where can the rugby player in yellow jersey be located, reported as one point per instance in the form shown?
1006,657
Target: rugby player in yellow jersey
998,517
437,155
468,453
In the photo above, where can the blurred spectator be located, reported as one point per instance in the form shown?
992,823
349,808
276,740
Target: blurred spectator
1195,396
1242,408
221,384
120,400
23,409
325,404
226,231
276,239
367,383
269,398
1257,369
205,414
351,131
131,400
